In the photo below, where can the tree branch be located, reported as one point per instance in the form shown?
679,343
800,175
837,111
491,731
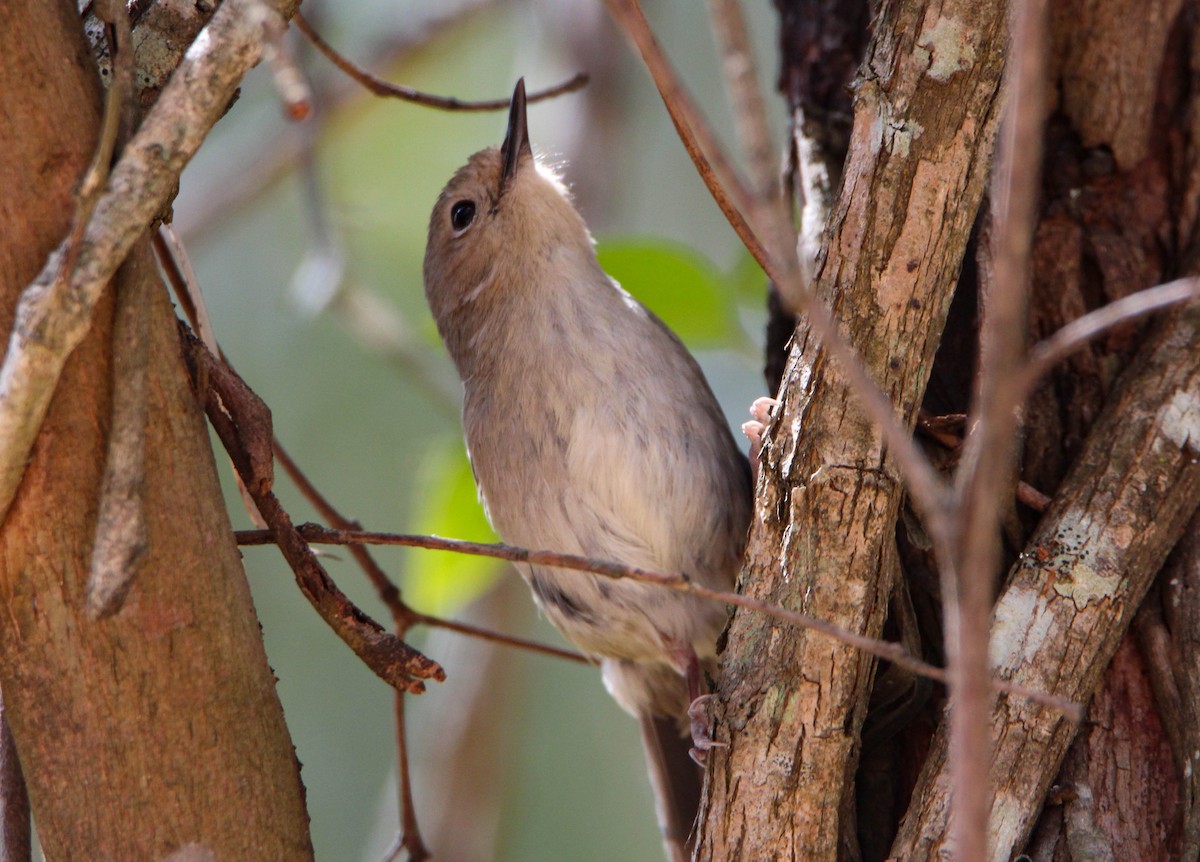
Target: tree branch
55,311
243,423
827,501
679,582
380,87
968,550
1073,592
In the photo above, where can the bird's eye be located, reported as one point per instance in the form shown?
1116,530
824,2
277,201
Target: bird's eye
461,215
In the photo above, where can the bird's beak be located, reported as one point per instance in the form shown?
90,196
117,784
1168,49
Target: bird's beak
516,142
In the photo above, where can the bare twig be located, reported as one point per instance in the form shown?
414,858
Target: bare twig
273,156
243,423
290,81
402,614
929,493
1074,335
481,633
714,168
55,312
177,265
1032,497
969,552
173,258
679,582
745,95
380,87
388,593
410,830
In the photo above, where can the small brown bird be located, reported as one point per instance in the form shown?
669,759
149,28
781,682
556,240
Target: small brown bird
591,431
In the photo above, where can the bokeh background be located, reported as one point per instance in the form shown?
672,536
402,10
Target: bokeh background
307,241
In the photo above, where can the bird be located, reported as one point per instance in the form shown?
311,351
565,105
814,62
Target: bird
591,430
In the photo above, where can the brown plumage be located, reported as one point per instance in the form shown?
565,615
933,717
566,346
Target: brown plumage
592,431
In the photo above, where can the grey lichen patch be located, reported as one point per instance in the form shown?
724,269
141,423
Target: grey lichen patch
895,134
1075,561
949,46
1179,420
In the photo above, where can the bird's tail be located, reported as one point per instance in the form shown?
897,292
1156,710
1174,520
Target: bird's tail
676,781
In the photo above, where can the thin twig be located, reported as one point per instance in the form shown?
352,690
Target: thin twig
892,652
92,183
697,138
410,830
1032,497
969,553
177,265
745,95
930,494
497,637
290,81
1074,335
380,87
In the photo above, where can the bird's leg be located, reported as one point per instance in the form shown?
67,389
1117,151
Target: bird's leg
761,410
699,711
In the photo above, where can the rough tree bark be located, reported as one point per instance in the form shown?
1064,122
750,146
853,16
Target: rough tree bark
1119,213
160,727
822,536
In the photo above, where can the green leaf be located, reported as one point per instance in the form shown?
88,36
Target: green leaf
438,582
681,286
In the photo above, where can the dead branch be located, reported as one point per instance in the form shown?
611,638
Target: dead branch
243,423
55,311
121,531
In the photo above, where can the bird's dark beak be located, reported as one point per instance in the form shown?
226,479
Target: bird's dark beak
516,142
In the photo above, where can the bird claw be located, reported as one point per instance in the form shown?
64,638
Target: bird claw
761,411
701,719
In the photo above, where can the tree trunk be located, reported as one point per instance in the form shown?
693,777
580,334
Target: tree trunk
159,727
822,538
1119,212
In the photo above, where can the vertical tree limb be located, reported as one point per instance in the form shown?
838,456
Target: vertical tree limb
161,726
925,120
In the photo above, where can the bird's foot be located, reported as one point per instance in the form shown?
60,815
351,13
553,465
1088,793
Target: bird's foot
761,411
701,719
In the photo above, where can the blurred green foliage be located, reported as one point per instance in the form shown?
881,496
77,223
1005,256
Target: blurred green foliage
441,583
681,286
